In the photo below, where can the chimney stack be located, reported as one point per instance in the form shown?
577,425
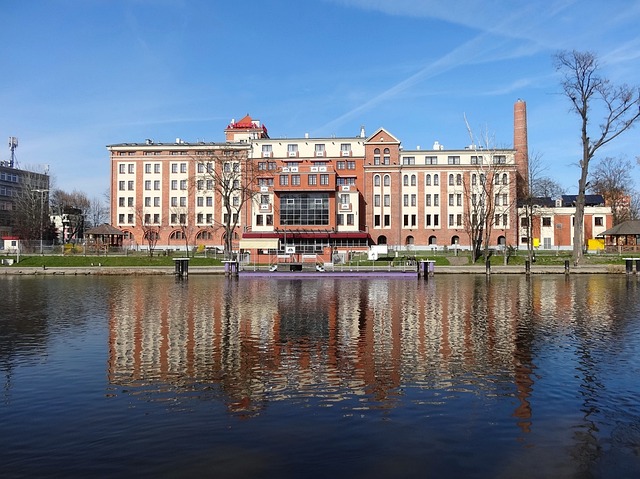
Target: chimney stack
520,142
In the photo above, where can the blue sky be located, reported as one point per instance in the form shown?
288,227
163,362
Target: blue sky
80,74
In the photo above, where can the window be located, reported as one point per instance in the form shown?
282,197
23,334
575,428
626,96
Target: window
295,180
266,151
427,220
386,158
147,218
156,201
351,165
597,220
147,167
459,199
459,179
147,184
413,200
505,219
546,221
130,185
476,160
524,222
319,149
121,201
430,160
340,165
147,200
174,184
344,199
156,217
474,179
120,218
387,220
453,160
451,200
451,218
156,185
505,179
436,200
174,201
405,180
209,201
376,157
122,168
500,159
505,199
174,167
436,180
458,220
259,220
156,167
284,180
376,180
183,184
183,201
405,200
376,200
350,219
387,200
405,220
413,180
292,149
345,149
132,168
200,185
387,180
200,201
324,179
428,180
183,167
450,180
312,180
236,201
262,166
436,220
340,220
209,218
130,218
408,160
376,220
428,200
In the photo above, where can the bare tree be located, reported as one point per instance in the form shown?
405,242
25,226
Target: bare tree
150,231
30,214
180,217
71,208
545,187
488,196
590,94
97,213
611,178
233,178
537,187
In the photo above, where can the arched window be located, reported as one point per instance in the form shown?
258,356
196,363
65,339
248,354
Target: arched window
436,180
376,180
387,180
376,156
413,180
433,240
386,159
504,179
410,240
455,240
496,179
450,180
458,179
428,180
405,180
382,239
176,235
482,179
204,235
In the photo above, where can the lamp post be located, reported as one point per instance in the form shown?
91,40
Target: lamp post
42,192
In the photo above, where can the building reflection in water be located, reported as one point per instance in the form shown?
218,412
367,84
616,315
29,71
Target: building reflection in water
252,342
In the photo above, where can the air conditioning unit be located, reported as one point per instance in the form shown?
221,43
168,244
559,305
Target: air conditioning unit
346,188
264,189
314,169
285,170
294,169
319,153
293,153
264,207
290,249
322,168
266,154
345,206
346,153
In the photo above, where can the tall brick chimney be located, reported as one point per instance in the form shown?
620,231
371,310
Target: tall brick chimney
520,143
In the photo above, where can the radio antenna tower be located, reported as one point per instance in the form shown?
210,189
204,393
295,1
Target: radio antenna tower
13,144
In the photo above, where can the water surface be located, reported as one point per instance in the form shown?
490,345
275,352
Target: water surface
460,376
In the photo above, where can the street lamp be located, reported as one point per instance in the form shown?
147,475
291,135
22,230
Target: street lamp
42,192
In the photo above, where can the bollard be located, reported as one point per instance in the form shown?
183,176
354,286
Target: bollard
629,265
637,266
566,267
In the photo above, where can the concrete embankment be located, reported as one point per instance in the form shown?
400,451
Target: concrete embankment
217,270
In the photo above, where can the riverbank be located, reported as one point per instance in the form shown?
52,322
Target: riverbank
337,271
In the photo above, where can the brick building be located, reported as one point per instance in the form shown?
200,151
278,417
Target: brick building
317,197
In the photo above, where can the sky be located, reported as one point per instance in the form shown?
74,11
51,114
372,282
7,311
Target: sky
77,75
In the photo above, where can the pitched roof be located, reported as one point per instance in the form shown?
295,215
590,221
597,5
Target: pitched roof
589,200
625,228
104,230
